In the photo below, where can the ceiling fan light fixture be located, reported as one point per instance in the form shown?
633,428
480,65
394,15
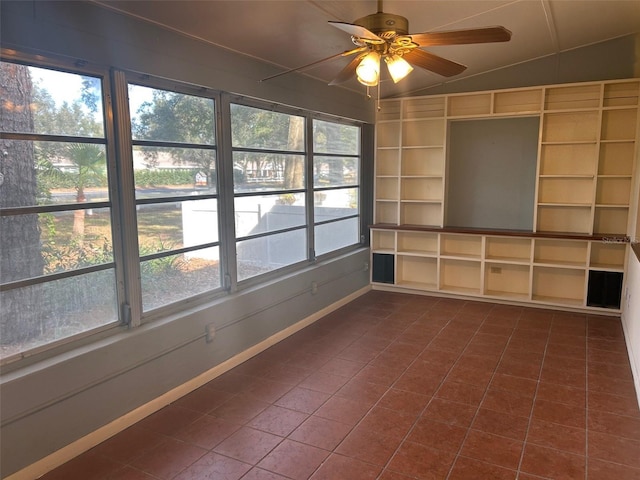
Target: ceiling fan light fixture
368,70
398,67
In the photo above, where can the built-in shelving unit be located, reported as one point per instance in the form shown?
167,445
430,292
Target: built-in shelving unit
511,266
584,180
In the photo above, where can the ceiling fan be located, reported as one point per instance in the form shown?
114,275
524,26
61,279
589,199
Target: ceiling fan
386,36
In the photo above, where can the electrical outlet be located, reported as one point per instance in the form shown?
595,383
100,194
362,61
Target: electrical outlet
314,288
211,332
366,266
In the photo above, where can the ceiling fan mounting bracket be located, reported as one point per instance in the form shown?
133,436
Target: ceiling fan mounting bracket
384,23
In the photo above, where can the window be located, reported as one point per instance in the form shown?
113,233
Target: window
336,162
175,173
269,189
57,267
88,244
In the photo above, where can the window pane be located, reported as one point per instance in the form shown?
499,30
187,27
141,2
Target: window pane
56,310
267,171
258,128
176,277
264,254
169,172
54,172
335,235
160,115
330,204
55,242
43,101
268,213
331,137
168,226
335,171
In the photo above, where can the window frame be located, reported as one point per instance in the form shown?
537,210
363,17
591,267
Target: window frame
143,80
79,68
118,144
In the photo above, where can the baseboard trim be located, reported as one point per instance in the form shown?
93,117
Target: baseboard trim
98,436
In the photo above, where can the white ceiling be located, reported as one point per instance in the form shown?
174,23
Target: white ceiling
293,33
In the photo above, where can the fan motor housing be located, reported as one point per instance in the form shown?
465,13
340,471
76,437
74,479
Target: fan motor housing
384,22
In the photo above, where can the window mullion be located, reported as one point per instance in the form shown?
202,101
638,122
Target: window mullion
309,202
127,229
226,216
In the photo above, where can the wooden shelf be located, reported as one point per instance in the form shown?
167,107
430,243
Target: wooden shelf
560,252
418,243
417,271
423,133
572,97
465,105
502,279
608,256
520,101
549,283
587,149
619,125
423,107
570,127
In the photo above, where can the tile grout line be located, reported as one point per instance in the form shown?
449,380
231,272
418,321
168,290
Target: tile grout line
458,453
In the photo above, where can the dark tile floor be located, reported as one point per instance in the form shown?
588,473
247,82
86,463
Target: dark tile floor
400,387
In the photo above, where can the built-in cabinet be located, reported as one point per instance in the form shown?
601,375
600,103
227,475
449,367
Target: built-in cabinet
536,268
576,250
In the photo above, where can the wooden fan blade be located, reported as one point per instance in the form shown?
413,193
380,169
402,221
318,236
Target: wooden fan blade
433,63
462,37
347,72
356,30
317,62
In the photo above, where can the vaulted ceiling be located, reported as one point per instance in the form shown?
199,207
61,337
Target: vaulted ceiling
293,33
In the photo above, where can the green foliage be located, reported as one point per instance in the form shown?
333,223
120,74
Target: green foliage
165,176
75,254
158,267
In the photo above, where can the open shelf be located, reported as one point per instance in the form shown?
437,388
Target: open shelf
611,220
389,110
566,190
417,272
422,161
571,127
506,280
429,189
607,256
572,97
520,101
387,162
621,94
418,243
613,191
383,241
616,158
423,133
461,276
560,252
564,218
569,159
467,246
421,213
475,104
388,135
386,212
619,124
558,285
508,249
423,107
387,188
